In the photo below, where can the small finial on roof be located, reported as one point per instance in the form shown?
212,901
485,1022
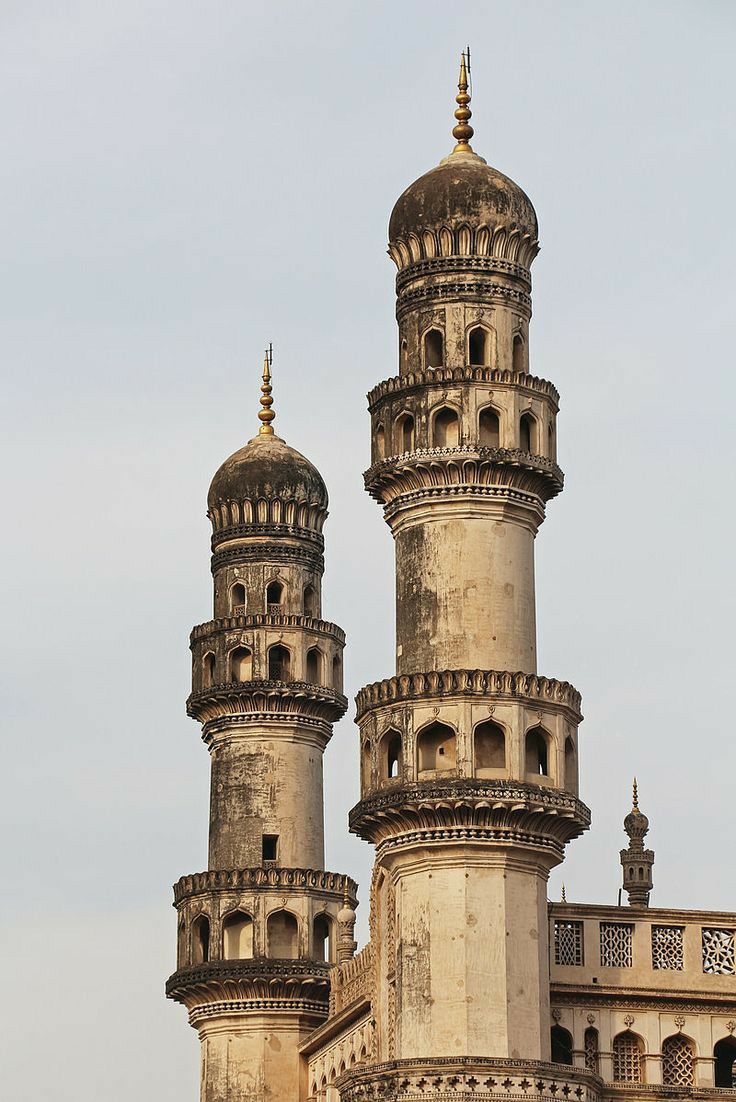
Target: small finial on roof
463,132
345,895
266,414
635,799
563,897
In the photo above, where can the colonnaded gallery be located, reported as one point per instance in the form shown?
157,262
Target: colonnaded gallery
472,985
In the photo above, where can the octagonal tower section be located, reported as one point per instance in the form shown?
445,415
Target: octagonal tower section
469,773
258,930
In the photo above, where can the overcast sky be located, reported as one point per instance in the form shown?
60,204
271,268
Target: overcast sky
183,182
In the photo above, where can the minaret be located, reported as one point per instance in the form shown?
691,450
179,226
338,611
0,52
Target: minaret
257,932
636,862
469,772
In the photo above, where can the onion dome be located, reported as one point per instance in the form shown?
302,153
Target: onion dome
462,192
636,824
266,481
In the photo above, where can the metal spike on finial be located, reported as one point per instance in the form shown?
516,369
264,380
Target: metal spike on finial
563,897
345,895
463,131
266,415
635,799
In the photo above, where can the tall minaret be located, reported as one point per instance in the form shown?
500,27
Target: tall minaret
637,863
258,931
469,771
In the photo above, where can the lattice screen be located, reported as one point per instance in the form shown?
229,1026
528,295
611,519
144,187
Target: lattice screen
667,947
616,944
677,1062
591,1049
718,952
568,942
626,1058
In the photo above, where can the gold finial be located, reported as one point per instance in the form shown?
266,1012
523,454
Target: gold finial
463,132
266,415
345,897
563,897
635,800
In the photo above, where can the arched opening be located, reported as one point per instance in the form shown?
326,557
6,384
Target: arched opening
537,752
550,441
237,936
479,347
274,598
367,764
310,601
279,663
321,939
200,940
391,755
571,767
314,666
489,744
380,442
518,362
528,434
561,1045
591,1045
337,673
435,750
208,670
404,435
445,429
724,1069
627,1050
282,935
237,599
678,1061
489,429
434,351
403,352
241,664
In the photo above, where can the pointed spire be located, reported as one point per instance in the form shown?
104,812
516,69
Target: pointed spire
463,131
345,895
266,414
635,797
563,896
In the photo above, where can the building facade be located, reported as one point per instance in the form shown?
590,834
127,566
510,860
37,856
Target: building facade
472,986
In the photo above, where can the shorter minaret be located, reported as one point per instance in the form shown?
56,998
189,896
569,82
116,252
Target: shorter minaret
637,862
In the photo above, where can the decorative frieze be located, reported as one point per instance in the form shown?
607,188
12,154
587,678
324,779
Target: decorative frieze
400,385
271,878
272,620
265,981
274,697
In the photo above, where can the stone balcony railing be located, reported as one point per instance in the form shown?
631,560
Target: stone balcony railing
352,980
442,376
258,879
267,620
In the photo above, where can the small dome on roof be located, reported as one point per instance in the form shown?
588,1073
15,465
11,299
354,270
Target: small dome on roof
267,468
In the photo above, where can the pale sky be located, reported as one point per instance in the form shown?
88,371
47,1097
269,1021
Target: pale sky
182,182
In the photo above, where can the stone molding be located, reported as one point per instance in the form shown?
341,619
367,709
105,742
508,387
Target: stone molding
274,697
617,998
441,376
471,810
460,243
498,684
263,980
268,552
272,515
468,1077
262,620
486,290
464,468
442,265
265,879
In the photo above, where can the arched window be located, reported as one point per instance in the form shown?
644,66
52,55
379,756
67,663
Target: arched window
445,429
390,755
436,749
479,347
208,670
591,1045
279,663
283,935
274,598
237,936
528,434
321,939
404,437
561,1045
310,601
241,664
627,1049
200,940
537,744
517,355
434,352
237,599
314,666
489,743
724,1054
571,767
678,1061
380,442
489,432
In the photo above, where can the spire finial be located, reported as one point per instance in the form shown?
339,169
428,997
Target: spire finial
463,132
635,797
345,894
266,415
563,897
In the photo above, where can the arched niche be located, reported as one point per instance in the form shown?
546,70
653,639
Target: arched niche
528,433
237,936
391,755
435,750
561,1042
537,747
201,939
489,749
241,664
322,937
314,666
434,348
279,663
489,428
282,935
445,428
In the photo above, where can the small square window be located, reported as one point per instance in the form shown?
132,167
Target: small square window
270,847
